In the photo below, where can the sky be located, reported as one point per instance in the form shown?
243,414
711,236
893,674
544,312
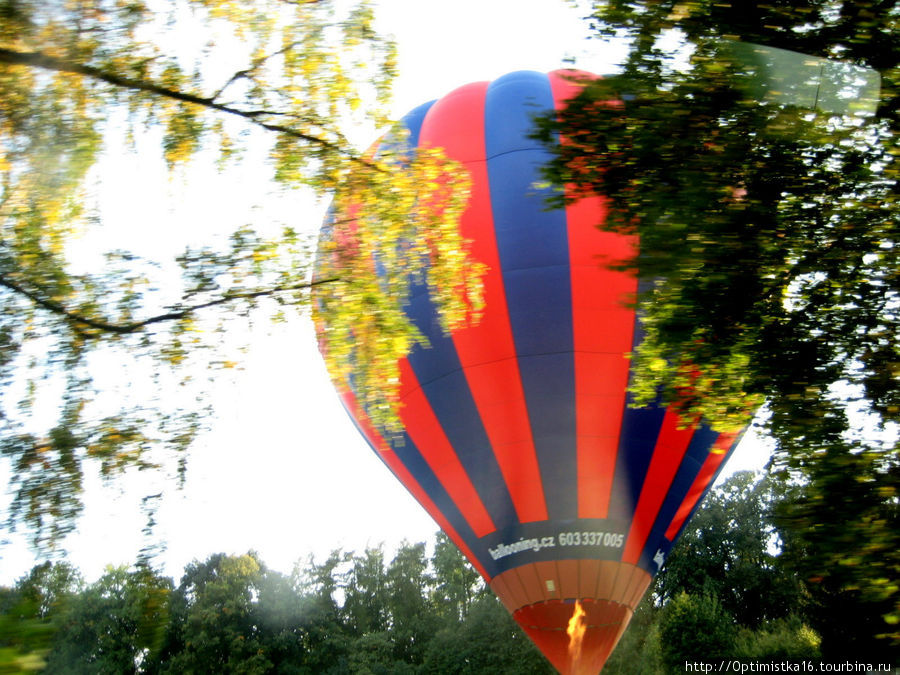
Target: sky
283,471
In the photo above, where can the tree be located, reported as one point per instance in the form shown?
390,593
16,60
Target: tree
113,625
234,614
457,585
366,593
783,639
390,610
732,555
638,651
730,551
79,79
694,628
768,247
413,621
215,623
853,603
486,641
282,613
30,614
325,638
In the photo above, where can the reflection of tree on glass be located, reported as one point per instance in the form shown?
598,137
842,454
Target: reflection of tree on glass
771,75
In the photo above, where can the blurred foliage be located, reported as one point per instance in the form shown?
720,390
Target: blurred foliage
840,531
769,253
31,614
209,79
405,227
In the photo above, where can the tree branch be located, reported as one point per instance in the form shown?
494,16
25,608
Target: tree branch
47,62
248,71
137,326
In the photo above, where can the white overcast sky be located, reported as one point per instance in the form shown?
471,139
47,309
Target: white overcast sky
284,471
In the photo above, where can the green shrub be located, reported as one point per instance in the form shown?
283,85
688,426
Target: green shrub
695,628
781,639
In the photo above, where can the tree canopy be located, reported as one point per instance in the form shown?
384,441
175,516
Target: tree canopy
207,81
351,613
769,254
406,611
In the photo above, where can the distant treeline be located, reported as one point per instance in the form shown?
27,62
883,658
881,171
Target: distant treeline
731,589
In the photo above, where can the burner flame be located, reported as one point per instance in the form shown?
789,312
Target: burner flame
576,630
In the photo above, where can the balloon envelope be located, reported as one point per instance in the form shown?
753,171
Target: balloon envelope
518,437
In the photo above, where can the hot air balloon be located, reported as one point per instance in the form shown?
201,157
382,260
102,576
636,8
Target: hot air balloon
518,436
517,433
